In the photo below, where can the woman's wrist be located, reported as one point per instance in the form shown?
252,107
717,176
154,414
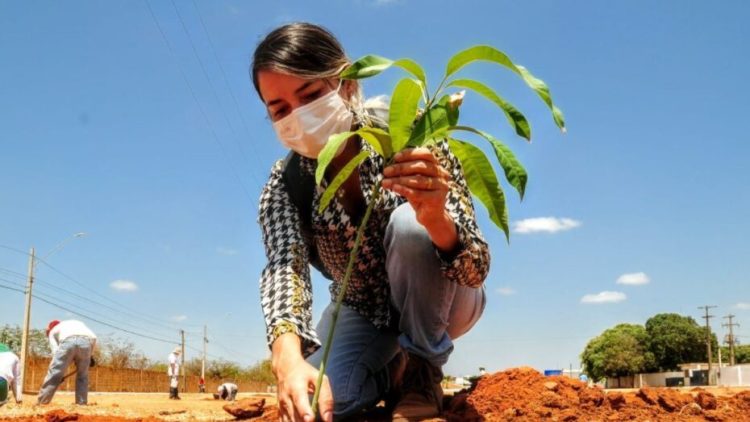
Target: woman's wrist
443,233
285,352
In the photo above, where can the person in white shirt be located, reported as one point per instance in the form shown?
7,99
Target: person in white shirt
9,376
173,371
70,341
227,391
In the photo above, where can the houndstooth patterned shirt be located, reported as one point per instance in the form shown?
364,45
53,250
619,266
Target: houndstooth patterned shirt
285,286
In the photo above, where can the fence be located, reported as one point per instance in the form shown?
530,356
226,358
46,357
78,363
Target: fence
102,378
733,376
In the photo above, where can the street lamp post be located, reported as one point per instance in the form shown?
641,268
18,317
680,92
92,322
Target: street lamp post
27,309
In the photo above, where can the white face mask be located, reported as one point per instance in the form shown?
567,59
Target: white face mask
307,128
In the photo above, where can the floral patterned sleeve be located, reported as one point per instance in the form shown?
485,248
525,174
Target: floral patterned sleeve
471,263
285,286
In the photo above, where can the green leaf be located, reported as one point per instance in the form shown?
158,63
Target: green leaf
412,67
379,139
482,181
491,54
340,178
328,152
372,65
434,123
515,173
542,90
365,67
515,117
403,110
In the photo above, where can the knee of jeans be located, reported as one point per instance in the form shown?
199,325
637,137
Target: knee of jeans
405,236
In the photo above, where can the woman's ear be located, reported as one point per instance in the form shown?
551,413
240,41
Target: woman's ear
350,87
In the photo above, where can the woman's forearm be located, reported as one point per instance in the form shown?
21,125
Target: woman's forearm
285,352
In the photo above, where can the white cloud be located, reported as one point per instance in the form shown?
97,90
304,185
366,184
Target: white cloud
743,305
179,318
604,297
123,286
227,251
633,279
505,291
544,225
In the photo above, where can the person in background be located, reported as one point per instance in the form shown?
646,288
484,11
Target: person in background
173,370
9,375
227,391
70,341
201,385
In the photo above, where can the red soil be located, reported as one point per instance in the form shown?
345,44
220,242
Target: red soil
523,394
59,415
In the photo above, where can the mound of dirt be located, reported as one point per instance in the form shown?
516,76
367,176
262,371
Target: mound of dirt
523,394
246,408
59,415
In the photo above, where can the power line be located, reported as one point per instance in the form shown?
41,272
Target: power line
12,288
131,312
226,80
88,317
215,137
15,283
13,273
105,323
89,311
211,84
127,312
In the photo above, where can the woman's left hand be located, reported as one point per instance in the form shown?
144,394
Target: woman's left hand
418,176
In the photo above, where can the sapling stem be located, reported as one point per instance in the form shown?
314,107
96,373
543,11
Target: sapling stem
340,296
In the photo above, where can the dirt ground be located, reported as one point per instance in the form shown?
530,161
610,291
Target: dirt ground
520,394
192,407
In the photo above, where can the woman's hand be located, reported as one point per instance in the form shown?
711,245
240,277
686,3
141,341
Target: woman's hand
295,381
418,176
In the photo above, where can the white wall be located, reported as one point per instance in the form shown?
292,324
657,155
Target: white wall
658,379
738,375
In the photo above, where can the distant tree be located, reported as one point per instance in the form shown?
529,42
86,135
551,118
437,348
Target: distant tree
38,343
119,353
221,369
741,354
618,351
261,372
194,366
157,366
676,339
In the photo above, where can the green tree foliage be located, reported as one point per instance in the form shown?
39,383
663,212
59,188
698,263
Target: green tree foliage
119,353
38,343
676,339
261,372
741,354
223,370
618,351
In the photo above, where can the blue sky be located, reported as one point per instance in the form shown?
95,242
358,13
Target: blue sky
159,152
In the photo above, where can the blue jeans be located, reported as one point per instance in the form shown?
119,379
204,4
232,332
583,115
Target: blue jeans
433,312
74,348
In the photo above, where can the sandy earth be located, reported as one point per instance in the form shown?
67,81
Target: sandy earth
201,407
515,395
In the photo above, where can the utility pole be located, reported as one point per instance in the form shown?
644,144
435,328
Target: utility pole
205,342
26,319
731,338
182,365
707,317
